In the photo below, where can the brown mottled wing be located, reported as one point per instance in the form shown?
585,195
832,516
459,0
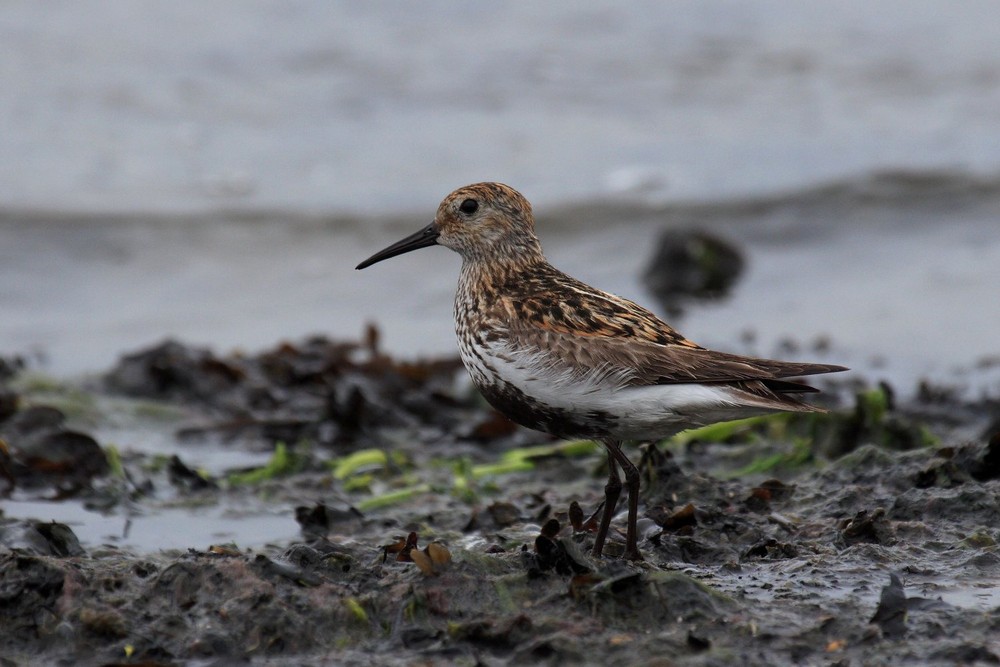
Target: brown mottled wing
588,329
649,363
550,300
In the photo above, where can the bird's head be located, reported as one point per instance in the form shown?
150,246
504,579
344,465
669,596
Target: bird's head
483,222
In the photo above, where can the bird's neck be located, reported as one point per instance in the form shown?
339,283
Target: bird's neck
494,272
482,283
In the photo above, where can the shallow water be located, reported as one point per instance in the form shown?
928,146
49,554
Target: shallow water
336,128
899,273
336,106
165,528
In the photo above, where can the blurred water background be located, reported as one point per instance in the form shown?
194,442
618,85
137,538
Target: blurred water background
214,171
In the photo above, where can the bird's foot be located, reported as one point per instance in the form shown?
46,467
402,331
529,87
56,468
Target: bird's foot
633,555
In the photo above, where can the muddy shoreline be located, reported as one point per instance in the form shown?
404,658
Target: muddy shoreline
865,536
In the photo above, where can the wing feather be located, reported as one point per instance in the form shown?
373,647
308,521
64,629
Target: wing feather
587,329
641,362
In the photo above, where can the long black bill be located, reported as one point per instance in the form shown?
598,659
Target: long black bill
427,236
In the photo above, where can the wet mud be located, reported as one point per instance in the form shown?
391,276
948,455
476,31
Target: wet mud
433,531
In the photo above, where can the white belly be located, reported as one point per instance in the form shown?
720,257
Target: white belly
635,412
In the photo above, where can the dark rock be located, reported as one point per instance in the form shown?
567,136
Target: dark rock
771,549
182,476
317,520
867,526
553,553
172,370
680,518
40,538
40,451
691,265
504,514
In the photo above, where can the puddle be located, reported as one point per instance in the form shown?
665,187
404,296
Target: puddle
165,529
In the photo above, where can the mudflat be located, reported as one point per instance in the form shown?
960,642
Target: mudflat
372,510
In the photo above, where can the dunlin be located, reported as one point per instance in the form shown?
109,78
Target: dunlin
559,356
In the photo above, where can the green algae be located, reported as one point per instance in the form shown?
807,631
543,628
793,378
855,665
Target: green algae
283,462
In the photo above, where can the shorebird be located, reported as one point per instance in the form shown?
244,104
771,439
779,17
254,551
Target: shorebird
556,355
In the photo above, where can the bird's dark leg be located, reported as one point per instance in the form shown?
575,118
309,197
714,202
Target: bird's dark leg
612,490
632,484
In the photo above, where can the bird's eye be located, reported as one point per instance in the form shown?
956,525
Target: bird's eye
469,206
